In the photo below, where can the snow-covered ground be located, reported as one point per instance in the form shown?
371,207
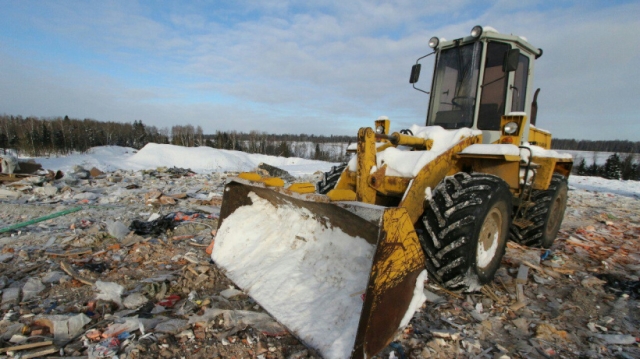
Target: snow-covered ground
599,184
207,160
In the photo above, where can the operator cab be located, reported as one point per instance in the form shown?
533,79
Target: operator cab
478,79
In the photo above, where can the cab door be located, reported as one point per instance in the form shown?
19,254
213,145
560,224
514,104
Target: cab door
519,85
494,90
502,91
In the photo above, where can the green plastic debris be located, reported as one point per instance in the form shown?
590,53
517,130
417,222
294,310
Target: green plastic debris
40,219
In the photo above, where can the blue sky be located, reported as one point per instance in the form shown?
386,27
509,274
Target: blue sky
318,67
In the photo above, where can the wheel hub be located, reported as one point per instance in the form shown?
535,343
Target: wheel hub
555,216
489,238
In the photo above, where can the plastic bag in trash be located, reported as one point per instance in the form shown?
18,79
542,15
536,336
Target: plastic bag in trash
64,327
110,291
104,349
155,227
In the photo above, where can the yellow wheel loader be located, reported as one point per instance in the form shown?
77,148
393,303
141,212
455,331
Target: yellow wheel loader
343,271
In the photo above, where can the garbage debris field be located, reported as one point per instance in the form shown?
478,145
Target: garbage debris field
97,264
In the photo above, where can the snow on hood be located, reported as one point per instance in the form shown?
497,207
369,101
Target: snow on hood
492,149
401,162
538,151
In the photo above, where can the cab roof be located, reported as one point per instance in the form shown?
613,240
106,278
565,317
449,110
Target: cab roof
489,33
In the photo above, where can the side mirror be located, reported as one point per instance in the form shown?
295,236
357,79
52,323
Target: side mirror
415,73
511,59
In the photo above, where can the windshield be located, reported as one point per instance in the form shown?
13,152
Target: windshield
455,81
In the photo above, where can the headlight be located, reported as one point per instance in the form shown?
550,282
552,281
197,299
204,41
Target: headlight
476,31
433,42
510,128
380,130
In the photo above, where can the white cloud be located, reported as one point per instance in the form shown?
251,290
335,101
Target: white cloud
299,67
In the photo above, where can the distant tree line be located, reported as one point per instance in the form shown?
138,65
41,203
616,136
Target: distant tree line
34,136
614,168
283,145
618,146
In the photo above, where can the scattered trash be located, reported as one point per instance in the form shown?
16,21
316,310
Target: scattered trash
66,267
104,349
63,327
618,339
53,277
128,325
32,288
164,223
155,227
169,301
135,300
74,287
171,326
618,285
547,331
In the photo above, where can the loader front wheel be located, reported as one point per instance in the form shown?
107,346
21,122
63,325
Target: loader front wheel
545,216
466,223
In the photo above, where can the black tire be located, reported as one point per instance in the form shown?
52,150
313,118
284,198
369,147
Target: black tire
330,179
462,209
546,215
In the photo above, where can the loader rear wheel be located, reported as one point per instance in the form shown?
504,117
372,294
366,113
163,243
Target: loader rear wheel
545,215
466,223
330,179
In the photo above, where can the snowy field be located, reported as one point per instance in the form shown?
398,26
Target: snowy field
599,184
207,160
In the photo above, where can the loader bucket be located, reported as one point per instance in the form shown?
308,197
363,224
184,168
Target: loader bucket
342,277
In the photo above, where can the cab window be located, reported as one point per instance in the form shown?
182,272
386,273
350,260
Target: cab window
520,84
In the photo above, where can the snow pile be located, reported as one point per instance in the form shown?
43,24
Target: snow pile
207,159
491,149
308,275
404,163
198,159
416,302
105,158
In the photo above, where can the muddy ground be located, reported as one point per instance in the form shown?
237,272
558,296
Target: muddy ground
579,301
